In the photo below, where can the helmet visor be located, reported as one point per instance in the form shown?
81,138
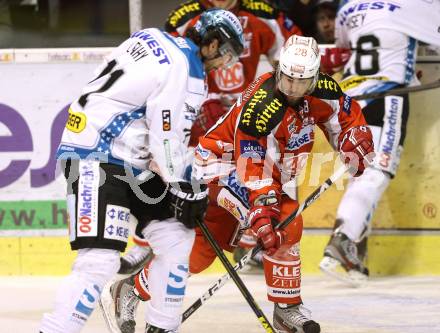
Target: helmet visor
229,54
294,87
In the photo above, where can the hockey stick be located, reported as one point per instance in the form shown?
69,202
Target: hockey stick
398,91
223,279
237,279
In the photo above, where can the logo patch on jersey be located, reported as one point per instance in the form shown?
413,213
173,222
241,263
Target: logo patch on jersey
202,152
230,78
390,137
231,207
327,84
166,120
88,186
300,139
346,104
291,128
355,81
76,122
240,190
190,112
267,113
182,12
258,97
252,149
258,6
116,223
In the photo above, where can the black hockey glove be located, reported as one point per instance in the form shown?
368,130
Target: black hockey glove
188,204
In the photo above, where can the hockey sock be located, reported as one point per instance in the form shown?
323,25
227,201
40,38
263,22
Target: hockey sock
79,292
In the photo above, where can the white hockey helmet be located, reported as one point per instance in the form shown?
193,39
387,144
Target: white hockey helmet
298,67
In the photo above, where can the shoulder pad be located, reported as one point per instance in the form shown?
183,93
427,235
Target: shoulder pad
259,8
327,88
185,12
263,110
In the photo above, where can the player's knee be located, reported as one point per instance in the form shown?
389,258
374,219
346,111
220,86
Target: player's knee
200,261
374,179
180,247
98,265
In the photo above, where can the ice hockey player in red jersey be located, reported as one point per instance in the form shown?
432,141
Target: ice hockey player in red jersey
261,144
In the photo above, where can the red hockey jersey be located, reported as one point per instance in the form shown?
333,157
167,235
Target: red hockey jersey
268,141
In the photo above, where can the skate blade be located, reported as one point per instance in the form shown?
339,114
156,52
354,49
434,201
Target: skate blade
108,308
333,268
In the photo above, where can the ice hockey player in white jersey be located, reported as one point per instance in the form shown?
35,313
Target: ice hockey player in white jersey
124,154
382,36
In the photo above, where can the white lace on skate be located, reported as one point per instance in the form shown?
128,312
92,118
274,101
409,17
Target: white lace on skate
126,304
298,315
128,307
294,319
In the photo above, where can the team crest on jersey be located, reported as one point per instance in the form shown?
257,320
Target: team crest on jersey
230,78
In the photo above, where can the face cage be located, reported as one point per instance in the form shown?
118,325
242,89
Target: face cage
229,54
308,91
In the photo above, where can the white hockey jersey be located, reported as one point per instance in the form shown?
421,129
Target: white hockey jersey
139,109
383,38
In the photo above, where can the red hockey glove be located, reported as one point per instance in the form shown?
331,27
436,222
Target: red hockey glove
210,111
334,59
357,149
261,220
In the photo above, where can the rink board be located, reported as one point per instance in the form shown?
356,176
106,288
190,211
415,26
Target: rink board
32,193
403,254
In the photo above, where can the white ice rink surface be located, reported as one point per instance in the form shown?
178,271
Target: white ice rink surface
385,305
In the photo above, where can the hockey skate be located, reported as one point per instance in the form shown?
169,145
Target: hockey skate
118,304
135,259
294,318
254,265
342,262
